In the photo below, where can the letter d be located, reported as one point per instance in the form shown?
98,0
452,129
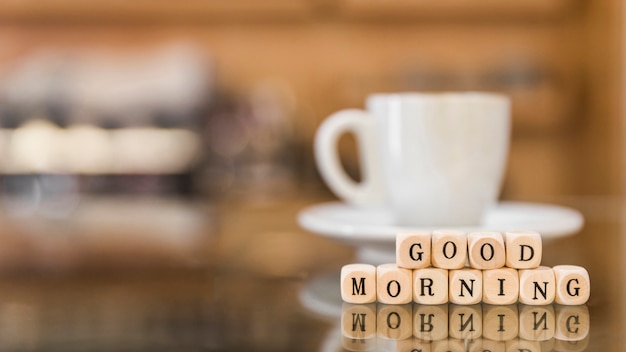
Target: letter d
532,253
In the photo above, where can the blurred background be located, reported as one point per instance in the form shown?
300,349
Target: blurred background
121,124
156,134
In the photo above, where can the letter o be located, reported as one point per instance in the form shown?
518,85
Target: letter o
445,251
482,251
389,288
398,320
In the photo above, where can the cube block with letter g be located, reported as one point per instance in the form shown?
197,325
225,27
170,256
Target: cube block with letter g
572,284
413,250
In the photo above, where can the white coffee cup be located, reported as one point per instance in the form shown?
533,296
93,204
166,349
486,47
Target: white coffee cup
432,159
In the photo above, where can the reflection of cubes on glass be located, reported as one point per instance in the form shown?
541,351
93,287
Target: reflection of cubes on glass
536,323
500,286
413,250
523,249
448,345
395,321
358,321
430,286
394,284
413,344
449,249
358,283
351,344
430,323
486,250
522,345
500,323
466,322
485,344
572,322
466,286
570,346
537,286
572,284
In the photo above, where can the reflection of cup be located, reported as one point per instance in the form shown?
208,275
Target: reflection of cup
433,159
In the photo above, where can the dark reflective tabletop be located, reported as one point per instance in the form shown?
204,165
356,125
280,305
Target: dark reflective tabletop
270,286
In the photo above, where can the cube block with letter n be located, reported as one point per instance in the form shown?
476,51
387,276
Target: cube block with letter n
466,286
537,286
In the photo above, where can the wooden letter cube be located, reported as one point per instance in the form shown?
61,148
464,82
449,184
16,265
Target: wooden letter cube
523,249
537,286
466,286
430,323
430,286
394,285
486,250
500,286
536,323
358,321
413,250
395,321
358,283
572,322
500,323
572,284
449,249
466,322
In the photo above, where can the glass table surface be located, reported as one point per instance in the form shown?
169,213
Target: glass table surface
267,285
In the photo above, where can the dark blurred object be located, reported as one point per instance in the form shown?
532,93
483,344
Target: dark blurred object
131,117
250,143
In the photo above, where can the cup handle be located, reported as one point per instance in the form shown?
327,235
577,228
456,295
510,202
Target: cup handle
369,191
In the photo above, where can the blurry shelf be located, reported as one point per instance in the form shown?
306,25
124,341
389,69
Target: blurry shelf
455,9
153,11
210,11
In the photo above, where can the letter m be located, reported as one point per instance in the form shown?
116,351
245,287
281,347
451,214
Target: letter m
358,289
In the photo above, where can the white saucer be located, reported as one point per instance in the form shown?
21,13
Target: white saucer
374,226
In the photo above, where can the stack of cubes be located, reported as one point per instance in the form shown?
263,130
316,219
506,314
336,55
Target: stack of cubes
452,266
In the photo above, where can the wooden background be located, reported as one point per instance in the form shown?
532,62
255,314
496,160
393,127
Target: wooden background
561,61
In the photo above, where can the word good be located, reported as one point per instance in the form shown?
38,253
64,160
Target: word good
450,327
431,269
